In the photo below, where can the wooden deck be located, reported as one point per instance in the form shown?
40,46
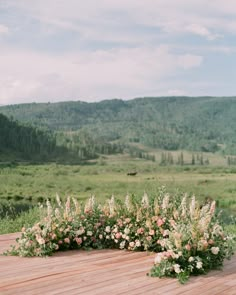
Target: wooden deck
101,272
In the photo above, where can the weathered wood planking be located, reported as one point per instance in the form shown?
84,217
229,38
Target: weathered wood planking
101,272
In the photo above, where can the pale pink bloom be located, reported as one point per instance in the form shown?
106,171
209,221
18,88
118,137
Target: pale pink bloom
60,242
210,242
54,236
41,241
23,229
140,230
78,241
127,220
149,238
151,232
188,247
158,258
67,240
166,233
160,222
56,247
118,235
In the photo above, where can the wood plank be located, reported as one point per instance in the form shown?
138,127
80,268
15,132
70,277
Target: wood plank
101,272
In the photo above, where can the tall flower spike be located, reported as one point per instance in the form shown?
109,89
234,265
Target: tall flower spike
77,207
156,206
192,208
111,203
49,208
68,205
58,200
128,203
145,200
165,202
183,206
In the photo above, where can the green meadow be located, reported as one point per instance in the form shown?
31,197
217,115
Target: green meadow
24,185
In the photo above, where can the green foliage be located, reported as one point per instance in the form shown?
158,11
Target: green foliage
204,124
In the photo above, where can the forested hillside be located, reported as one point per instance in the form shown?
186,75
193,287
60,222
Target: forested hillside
25,141
170,123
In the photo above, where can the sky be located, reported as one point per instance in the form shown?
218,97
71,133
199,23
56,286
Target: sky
59,50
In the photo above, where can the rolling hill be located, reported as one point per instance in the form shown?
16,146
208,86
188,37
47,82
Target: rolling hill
170,123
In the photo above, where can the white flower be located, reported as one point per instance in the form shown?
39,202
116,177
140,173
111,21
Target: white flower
107,229
100,237
122,245
199,265
215,250
137,244
191,259
108,237
80,231
177,268
89,233
126,231
131,244
158,258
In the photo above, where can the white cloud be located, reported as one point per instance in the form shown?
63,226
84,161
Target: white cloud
179,16
126,72
176,92
4,29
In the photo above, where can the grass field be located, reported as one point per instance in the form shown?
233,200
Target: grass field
36,183
25,185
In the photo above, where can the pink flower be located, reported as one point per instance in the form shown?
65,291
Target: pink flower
60,242
118,235
151,232
149,238
160,222
67,240
210,242
140,231
188,247
78,241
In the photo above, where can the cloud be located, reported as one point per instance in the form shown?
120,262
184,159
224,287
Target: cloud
201,31
125,72
172,17
3,29
176,92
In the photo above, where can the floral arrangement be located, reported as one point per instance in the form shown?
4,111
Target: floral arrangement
187,238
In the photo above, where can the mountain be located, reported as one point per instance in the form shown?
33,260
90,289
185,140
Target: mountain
170,123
